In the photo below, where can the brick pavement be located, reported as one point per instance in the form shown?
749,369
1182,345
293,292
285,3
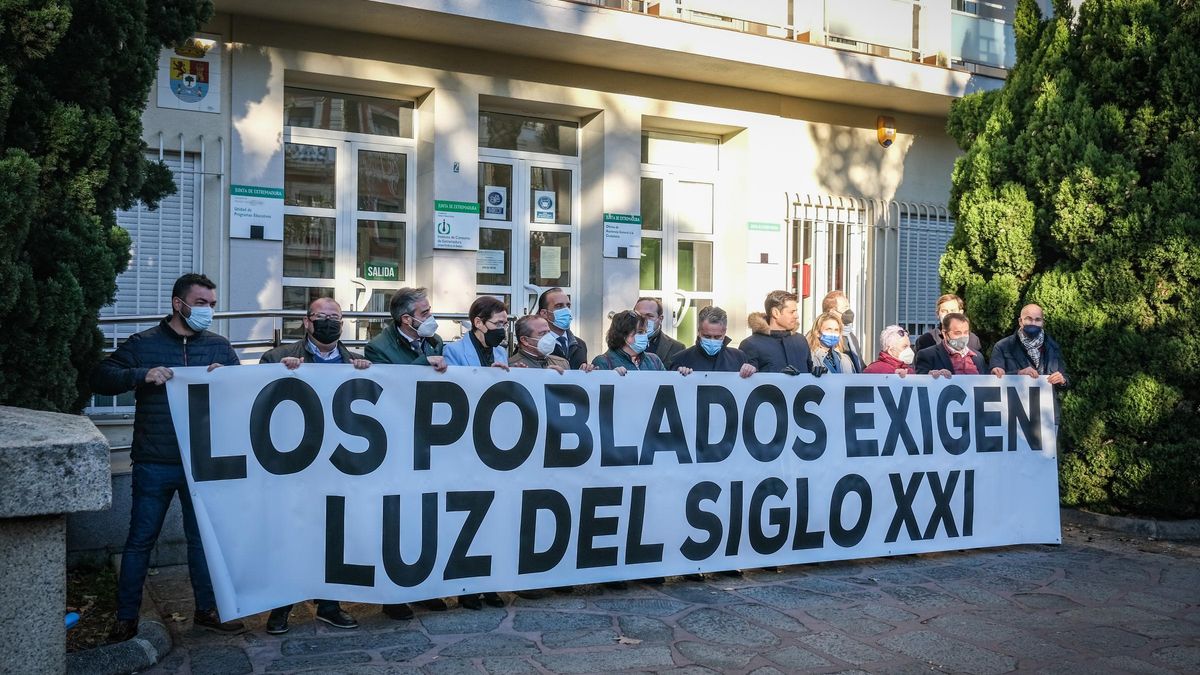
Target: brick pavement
1099,603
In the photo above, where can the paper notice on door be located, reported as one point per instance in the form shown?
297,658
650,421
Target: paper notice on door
544,206
489,261
495,202
550,262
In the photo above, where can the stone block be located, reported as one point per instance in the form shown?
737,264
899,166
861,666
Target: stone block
33,593
51,463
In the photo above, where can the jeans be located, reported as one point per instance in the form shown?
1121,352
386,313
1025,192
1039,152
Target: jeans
154,486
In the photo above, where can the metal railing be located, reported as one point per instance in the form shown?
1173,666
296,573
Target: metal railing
884,254
865,37
278,316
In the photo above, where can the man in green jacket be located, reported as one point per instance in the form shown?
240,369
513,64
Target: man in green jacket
412,339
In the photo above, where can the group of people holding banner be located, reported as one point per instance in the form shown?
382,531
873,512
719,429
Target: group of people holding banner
634,341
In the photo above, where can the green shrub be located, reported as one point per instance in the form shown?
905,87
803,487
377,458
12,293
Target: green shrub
1079,190
74,79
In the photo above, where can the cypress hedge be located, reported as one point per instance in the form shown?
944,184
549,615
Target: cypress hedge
1079,190
74,80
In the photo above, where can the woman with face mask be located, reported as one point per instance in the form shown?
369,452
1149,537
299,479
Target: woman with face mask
627,342
828,347
482,346
895,353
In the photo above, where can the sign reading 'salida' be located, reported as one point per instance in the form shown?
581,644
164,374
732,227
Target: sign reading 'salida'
398,483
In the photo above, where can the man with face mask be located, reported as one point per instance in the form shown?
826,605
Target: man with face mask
665,346
837,303
535,346
413,338
712,352
554,305
143,363
322,340
946,304
321,344
1029,351
953,356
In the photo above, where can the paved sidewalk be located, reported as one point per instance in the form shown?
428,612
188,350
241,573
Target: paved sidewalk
1100,603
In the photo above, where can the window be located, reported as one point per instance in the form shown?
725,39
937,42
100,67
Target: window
162,244
529,197
501,131
348,113
348,167
679,216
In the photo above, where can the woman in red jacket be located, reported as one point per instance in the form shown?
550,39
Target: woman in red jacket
895,353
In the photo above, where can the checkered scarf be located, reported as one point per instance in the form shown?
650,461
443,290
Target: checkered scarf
1033,346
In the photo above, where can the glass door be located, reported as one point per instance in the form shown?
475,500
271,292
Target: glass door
346,235
678,227
529,232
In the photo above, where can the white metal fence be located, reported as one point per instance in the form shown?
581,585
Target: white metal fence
883,254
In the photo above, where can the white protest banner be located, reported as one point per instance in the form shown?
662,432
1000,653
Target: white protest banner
397,483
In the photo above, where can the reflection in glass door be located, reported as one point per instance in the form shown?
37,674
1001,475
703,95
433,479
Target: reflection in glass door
678,217
528,228
345,226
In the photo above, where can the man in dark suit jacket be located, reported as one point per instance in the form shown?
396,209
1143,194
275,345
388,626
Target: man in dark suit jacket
947,304
322,343
554,305
953,356
665,347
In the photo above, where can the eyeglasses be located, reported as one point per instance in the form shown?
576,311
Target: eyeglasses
901,332
322,316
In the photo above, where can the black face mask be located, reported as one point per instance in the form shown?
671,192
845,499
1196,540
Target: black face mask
847,317
493,337
327,331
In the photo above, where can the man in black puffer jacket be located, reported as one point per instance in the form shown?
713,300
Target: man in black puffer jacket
775,346
143,363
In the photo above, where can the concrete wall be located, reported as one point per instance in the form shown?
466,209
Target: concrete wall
775,145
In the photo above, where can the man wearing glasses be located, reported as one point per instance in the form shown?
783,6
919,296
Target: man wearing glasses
321,344
322,340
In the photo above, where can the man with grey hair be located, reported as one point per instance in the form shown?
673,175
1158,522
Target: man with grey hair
712,352
412,339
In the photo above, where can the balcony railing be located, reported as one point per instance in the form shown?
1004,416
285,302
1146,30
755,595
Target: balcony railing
980,41
898,29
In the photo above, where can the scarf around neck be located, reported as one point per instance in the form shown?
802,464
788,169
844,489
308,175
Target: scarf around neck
1033,346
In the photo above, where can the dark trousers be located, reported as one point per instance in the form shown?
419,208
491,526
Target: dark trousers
323,606
154,486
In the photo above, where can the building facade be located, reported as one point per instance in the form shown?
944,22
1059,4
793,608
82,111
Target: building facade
698,151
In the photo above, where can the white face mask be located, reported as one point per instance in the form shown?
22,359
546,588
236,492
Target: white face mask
427,327
907,355
546,344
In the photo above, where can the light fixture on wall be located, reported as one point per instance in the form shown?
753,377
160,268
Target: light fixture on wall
885,130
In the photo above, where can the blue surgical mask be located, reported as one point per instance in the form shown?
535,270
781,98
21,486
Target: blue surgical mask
200,318
651,326
711,345
1032,331
640,342
830,341
562,318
